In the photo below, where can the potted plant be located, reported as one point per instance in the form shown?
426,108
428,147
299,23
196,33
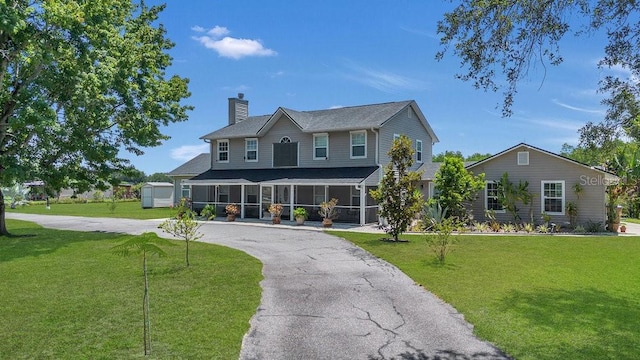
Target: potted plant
623,227
232,211
328,212
275,210
300,214
208,212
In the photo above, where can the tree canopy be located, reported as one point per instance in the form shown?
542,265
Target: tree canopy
498,41
81,82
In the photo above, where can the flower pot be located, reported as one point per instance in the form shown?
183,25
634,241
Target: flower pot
276,219
623,228
231,217
300,220
327,223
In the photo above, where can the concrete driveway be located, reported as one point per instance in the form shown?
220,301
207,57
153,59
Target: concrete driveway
324,298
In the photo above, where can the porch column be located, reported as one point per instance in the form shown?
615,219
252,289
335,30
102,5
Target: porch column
242,201
363,203
291,201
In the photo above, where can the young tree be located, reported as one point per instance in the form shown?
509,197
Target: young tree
397,195
145,244
183,226
498,41
79,82
456,187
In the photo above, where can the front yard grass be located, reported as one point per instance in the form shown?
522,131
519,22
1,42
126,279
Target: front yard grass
535,297
123,209
65,295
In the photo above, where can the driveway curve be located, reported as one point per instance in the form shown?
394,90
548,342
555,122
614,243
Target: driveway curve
323,297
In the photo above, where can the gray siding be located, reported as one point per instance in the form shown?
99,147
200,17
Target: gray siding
406,123
544,167
339,149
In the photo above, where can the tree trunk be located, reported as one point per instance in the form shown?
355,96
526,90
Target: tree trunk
187,253
145,308
3,225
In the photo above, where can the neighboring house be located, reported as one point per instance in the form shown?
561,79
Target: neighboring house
552,179
303,158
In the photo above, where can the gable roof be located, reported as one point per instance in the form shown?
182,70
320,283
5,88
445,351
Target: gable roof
195,166
606,173
338,119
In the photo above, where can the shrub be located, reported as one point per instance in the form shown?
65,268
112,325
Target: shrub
441,242
509,228
481,227
208,212
579,229
543,228
594,227
528,228
328,209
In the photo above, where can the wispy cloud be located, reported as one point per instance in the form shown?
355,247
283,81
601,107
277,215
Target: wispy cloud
420,32
575,108
383,80
557,124
188,152
230,47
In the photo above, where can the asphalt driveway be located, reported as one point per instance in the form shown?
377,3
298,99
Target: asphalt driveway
324,298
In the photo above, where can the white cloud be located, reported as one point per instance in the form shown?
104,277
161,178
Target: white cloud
198,28
575,108
188,152
231,47
218,31
384,80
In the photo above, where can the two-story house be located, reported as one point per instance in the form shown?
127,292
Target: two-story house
303,158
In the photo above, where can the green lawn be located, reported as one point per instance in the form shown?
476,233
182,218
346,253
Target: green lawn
535,297
126,209
66,296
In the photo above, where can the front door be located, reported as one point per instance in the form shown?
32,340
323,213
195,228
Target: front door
266,199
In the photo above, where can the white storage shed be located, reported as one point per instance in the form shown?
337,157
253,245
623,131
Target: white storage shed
157,194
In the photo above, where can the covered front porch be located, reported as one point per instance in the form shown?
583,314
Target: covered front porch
255,190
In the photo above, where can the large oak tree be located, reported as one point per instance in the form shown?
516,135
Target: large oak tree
499,40
82,80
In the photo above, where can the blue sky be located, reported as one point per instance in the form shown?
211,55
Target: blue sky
310,55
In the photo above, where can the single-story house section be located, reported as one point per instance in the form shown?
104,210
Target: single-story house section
554,181
191,168
157,194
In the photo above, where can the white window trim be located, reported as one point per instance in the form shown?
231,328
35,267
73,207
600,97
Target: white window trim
351,144
314,146
246,149
486,198
421,151
218,150
527,156
542,197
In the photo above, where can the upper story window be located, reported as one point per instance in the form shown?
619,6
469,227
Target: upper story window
223,151
523,158
251,150
491,201
359,144
419,151
553,197
320,146
396,137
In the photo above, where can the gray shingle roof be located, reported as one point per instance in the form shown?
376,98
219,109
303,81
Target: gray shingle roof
339,119
195,166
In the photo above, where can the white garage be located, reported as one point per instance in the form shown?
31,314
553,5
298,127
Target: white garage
157,194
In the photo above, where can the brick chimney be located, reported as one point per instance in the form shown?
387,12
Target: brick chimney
238,109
